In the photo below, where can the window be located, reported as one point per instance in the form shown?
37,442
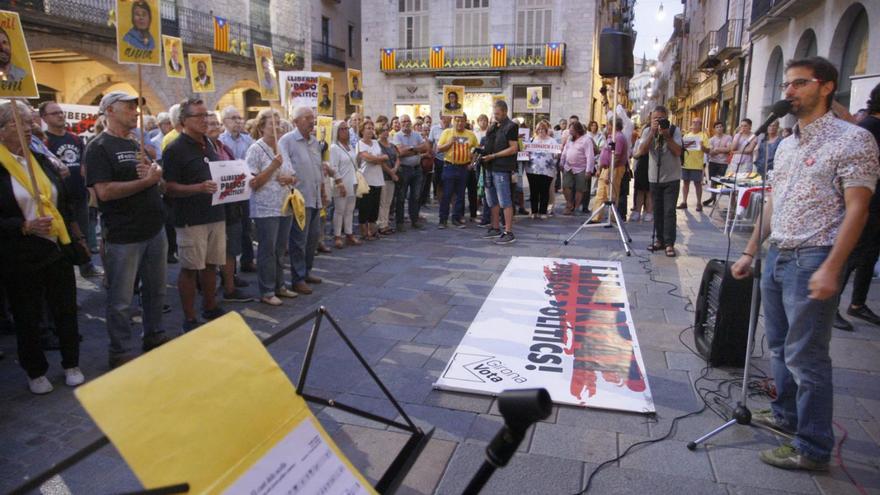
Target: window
412,24
471,22
351,41
325,30
533,21
260,22
855,57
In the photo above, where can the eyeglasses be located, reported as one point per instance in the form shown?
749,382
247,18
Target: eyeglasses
197,116
234,118
798,83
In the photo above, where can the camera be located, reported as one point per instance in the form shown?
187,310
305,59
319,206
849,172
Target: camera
479,151
664,123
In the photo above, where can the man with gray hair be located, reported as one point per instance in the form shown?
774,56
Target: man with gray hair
163,120
410,146
174,112
301,151
239,142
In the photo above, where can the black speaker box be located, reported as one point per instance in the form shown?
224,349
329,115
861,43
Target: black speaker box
615,53
721,320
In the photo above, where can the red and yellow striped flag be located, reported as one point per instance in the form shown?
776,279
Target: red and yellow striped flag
499,55
221,35
437,57
553,55
387,62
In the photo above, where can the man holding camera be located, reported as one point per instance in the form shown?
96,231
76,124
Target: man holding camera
663,146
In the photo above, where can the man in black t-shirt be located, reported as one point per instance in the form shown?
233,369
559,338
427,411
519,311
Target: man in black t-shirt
69,149
499,161
201,227
127,186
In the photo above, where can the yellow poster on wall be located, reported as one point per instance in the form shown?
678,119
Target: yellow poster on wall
213,409
16,72
266,73
325,96
138,29
453,101
323,131
355,91
201,70
534,97
499,98
173,48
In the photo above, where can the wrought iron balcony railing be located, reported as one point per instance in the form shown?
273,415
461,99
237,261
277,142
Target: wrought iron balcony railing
196,28
768,14
723,44
507,57
327,53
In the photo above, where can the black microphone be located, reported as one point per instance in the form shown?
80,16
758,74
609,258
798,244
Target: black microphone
779,109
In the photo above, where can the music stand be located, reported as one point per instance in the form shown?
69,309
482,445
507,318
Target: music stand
610,205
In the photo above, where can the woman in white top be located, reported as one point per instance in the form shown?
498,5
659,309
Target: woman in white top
741,157
343,163
371,160
270,188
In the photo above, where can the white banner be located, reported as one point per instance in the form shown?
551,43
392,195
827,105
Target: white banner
554,148
560,324
80,118
300,88
233,181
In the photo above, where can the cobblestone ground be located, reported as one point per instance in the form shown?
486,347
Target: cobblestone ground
406,301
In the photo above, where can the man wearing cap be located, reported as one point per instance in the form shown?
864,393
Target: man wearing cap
128,188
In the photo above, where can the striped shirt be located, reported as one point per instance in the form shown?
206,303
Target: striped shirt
463,144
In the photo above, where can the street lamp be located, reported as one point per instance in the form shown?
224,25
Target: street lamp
660,14
656,44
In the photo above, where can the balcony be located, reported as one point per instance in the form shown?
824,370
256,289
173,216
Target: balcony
721,45
474,58
768,15
708,58
324,53
91,19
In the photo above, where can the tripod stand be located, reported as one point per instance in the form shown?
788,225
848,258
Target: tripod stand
609,207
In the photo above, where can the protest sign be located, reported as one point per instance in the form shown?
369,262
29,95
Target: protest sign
233,181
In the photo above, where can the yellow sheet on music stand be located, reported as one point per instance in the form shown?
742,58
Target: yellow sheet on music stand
206,409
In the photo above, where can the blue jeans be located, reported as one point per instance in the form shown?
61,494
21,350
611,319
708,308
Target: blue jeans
454,181
122,264
799,335
304,244
410,185
497,186
272,236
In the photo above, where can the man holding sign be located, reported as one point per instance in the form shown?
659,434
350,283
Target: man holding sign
201,227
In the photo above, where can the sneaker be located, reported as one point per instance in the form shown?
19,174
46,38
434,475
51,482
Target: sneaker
840,323
864,313
506,238
635,216
459,224
117,360
213,314
273,300
492,234
237,296
302,288
649,217
787,457
766,418
190,325
418,226
285,292
73,377
441,226
40,385
154,340
484,225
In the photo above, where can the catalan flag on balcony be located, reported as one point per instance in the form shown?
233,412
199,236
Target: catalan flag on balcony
387,61
437,57
499,55
553,55
221,34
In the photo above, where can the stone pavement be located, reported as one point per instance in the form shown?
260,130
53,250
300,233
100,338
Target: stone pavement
406,301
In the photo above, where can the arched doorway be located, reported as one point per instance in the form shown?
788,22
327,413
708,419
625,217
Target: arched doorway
772,80
806,46
849,49
245,96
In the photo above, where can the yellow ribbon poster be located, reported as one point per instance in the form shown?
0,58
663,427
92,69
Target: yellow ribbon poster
201,70
16,72
355,90
214,410
266,73
534,97
325,96
453,101
323,131
174,66
138,29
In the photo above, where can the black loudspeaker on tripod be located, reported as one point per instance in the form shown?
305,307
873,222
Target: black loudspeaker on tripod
615,53
721,321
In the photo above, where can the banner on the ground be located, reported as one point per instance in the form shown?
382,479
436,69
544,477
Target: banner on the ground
325,96
224,416
232,178
300,88
16,72
561,324
266,73
138,31
201,70
174,66
554,148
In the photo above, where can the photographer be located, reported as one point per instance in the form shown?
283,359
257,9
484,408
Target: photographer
663,145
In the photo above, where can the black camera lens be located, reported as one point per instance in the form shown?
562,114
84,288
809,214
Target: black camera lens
664,123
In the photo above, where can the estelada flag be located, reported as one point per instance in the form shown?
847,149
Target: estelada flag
499,55
138,32
437,57
553,55
221,34
387,62
17,74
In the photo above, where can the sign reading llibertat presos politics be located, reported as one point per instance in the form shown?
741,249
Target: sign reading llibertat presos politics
561,324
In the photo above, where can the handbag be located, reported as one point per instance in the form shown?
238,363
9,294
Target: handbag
362,188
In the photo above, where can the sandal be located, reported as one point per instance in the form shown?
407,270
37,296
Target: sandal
656,247
354,241
338,244
670,252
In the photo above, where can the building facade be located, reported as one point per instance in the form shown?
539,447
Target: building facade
491,47
642,87
336,45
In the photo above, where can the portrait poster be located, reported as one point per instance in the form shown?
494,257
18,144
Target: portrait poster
524,135
498,98
534,97
323,132
325,96
201,71
266,73
355,88
17,79
174,64
453,101
138,31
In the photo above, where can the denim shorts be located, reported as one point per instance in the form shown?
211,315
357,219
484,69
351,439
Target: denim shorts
497,186
691,175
